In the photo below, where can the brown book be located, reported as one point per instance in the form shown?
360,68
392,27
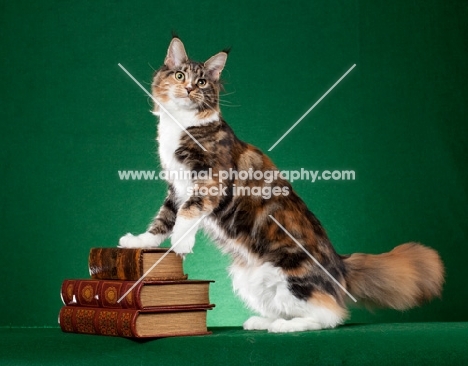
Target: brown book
132,264
134,323
145,295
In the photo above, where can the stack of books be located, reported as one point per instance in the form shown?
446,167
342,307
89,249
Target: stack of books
116,302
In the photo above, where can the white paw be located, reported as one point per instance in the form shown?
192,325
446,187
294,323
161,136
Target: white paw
293,325
182,244
183,235
145,240
257,323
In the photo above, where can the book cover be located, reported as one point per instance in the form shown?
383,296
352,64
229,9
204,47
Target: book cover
145,295
132,264
166,322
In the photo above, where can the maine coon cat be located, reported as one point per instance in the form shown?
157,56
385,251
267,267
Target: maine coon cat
270,272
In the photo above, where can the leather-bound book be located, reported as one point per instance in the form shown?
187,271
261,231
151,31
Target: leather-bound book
132,264
166,322
145,295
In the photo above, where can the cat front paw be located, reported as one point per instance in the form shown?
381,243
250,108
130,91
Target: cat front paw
183,235
182,245
145,240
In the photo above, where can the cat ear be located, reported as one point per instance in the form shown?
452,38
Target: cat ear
216,64
176,54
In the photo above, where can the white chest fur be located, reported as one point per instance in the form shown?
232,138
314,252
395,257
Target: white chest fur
170,130
169,134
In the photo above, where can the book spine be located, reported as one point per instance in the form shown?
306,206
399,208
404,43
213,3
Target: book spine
117,322
100,293
115,264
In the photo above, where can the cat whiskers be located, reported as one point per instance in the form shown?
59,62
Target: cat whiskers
228,104
224,94
223,102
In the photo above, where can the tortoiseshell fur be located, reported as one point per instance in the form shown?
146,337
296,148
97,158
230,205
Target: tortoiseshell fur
270,272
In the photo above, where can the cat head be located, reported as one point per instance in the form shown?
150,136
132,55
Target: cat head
184,84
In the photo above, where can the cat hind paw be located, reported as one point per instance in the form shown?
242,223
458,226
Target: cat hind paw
257,323
293,325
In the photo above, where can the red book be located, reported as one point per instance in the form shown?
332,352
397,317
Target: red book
166,322
145,295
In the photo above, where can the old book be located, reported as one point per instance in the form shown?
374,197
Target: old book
132,264
134,323
145,295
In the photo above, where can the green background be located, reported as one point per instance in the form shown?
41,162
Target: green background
70,119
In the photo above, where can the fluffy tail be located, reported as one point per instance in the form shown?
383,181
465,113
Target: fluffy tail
400,279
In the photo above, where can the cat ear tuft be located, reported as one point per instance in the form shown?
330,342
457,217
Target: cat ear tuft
176,54
227,50
216,64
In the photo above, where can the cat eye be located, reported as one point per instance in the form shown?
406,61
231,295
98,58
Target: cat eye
179,75
201,82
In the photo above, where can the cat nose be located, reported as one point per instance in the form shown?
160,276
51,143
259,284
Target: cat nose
189,88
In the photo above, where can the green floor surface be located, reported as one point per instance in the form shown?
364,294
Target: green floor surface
370,344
